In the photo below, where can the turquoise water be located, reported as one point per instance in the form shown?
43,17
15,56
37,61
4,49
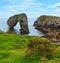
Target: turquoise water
32,30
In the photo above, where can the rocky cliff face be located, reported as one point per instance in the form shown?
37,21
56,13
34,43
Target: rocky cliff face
50,26
23,21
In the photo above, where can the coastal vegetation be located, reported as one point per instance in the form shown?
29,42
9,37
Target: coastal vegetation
27,49
42,18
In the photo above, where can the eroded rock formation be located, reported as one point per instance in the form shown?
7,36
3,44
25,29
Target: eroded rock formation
50,26
23,21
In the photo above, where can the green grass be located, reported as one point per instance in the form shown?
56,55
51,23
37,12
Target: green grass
42,18
13,49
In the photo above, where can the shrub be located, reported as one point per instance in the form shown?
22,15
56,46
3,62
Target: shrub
41,47
42,18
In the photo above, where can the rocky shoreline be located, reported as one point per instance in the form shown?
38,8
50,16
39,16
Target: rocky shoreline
50,26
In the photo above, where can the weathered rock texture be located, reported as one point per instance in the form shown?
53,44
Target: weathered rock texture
23,21
50,26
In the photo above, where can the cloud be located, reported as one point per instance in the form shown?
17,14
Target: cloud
29,0
54,9
11,0
7,1
56,5
57,10
13,10
30,7
25,6
5,14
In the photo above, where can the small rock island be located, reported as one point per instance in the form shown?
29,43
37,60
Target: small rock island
23,21
50,26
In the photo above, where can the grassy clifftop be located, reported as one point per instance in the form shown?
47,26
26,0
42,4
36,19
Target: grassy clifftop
13,49
9,41
42,18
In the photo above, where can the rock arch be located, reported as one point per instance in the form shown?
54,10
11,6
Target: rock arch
23,21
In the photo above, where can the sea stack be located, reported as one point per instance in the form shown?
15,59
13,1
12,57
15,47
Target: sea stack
23,21
50,26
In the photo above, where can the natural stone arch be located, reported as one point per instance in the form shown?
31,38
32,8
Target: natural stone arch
23,21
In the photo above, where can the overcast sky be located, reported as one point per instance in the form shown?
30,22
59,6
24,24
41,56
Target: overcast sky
33,8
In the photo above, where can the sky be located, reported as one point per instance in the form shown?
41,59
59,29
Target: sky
33,8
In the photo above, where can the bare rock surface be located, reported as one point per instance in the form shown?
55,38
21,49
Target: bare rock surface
50,26
23,21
